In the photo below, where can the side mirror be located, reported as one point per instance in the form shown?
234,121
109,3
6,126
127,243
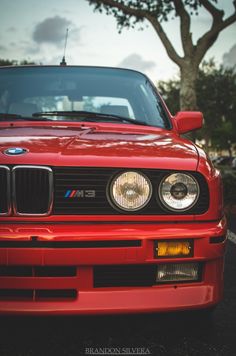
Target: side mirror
186,121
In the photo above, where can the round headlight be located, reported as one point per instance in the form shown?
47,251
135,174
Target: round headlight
130,191
179,191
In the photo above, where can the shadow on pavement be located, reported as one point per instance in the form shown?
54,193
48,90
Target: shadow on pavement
161,334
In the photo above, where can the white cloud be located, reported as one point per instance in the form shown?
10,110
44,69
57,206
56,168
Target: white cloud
11,29
135,61
52,30
3,48
229,58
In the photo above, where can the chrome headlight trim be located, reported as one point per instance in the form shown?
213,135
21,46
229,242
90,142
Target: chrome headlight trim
171,208
116,204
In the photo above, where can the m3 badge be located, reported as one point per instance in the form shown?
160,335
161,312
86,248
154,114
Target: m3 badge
80,193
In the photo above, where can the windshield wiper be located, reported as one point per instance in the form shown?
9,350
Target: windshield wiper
90,116
21,117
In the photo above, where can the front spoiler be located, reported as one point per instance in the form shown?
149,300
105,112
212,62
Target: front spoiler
136,300
112,300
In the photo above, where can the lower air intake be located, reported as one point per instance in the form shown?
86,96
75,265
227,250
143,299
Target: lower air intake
38,294
124,276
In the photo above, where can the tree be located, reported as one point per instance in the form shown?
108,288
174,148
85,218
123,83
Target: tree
9,62
216,98
224,136
130,12
170,91
6,62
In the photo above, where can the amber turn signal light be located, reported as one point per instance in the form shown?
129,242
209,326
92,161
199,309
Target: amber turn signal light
173,248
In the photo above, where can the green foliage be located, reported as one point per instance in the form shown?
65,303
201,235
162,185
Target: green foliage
229,184
224,136
161,10
89,104
8,62
24,62
170,92
130,12
216,98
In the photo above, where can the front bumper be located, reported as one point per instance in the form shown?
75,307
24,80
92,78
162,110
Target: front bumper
36,245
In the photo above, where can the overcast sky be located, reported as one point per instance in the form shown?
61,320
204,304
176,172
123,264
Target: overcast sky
35,30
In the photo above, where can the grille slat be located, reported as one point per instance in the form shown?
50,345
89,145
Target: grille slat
32,190
4,190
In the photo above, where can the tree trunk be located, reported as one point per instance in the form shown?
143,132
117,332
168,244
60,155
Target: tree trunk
188,98
207,138
230,150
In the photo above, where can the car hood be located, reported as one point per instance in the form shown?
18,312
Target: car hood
102,145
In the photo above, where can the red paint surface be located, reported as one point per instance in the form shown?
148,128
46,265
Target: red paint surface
100,145
110,145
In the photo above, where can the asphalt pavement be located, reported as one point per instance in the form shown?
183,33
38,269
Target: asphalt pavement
167,334
232,223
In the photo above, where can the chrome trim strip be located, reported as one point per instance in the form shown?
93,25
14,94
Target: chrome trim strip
9,209
50,198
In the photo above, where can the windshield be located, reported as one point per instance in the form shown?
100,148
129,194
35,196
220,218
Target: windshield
69,93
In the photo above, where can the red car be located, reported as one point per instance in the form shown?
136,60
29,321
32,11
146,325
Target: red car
104,207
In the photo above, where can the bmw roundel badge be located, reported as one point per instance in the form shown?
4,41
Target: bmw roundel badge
15,151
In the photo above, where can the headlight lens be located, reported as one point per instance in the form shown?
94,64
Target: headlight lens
131,191
179,191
